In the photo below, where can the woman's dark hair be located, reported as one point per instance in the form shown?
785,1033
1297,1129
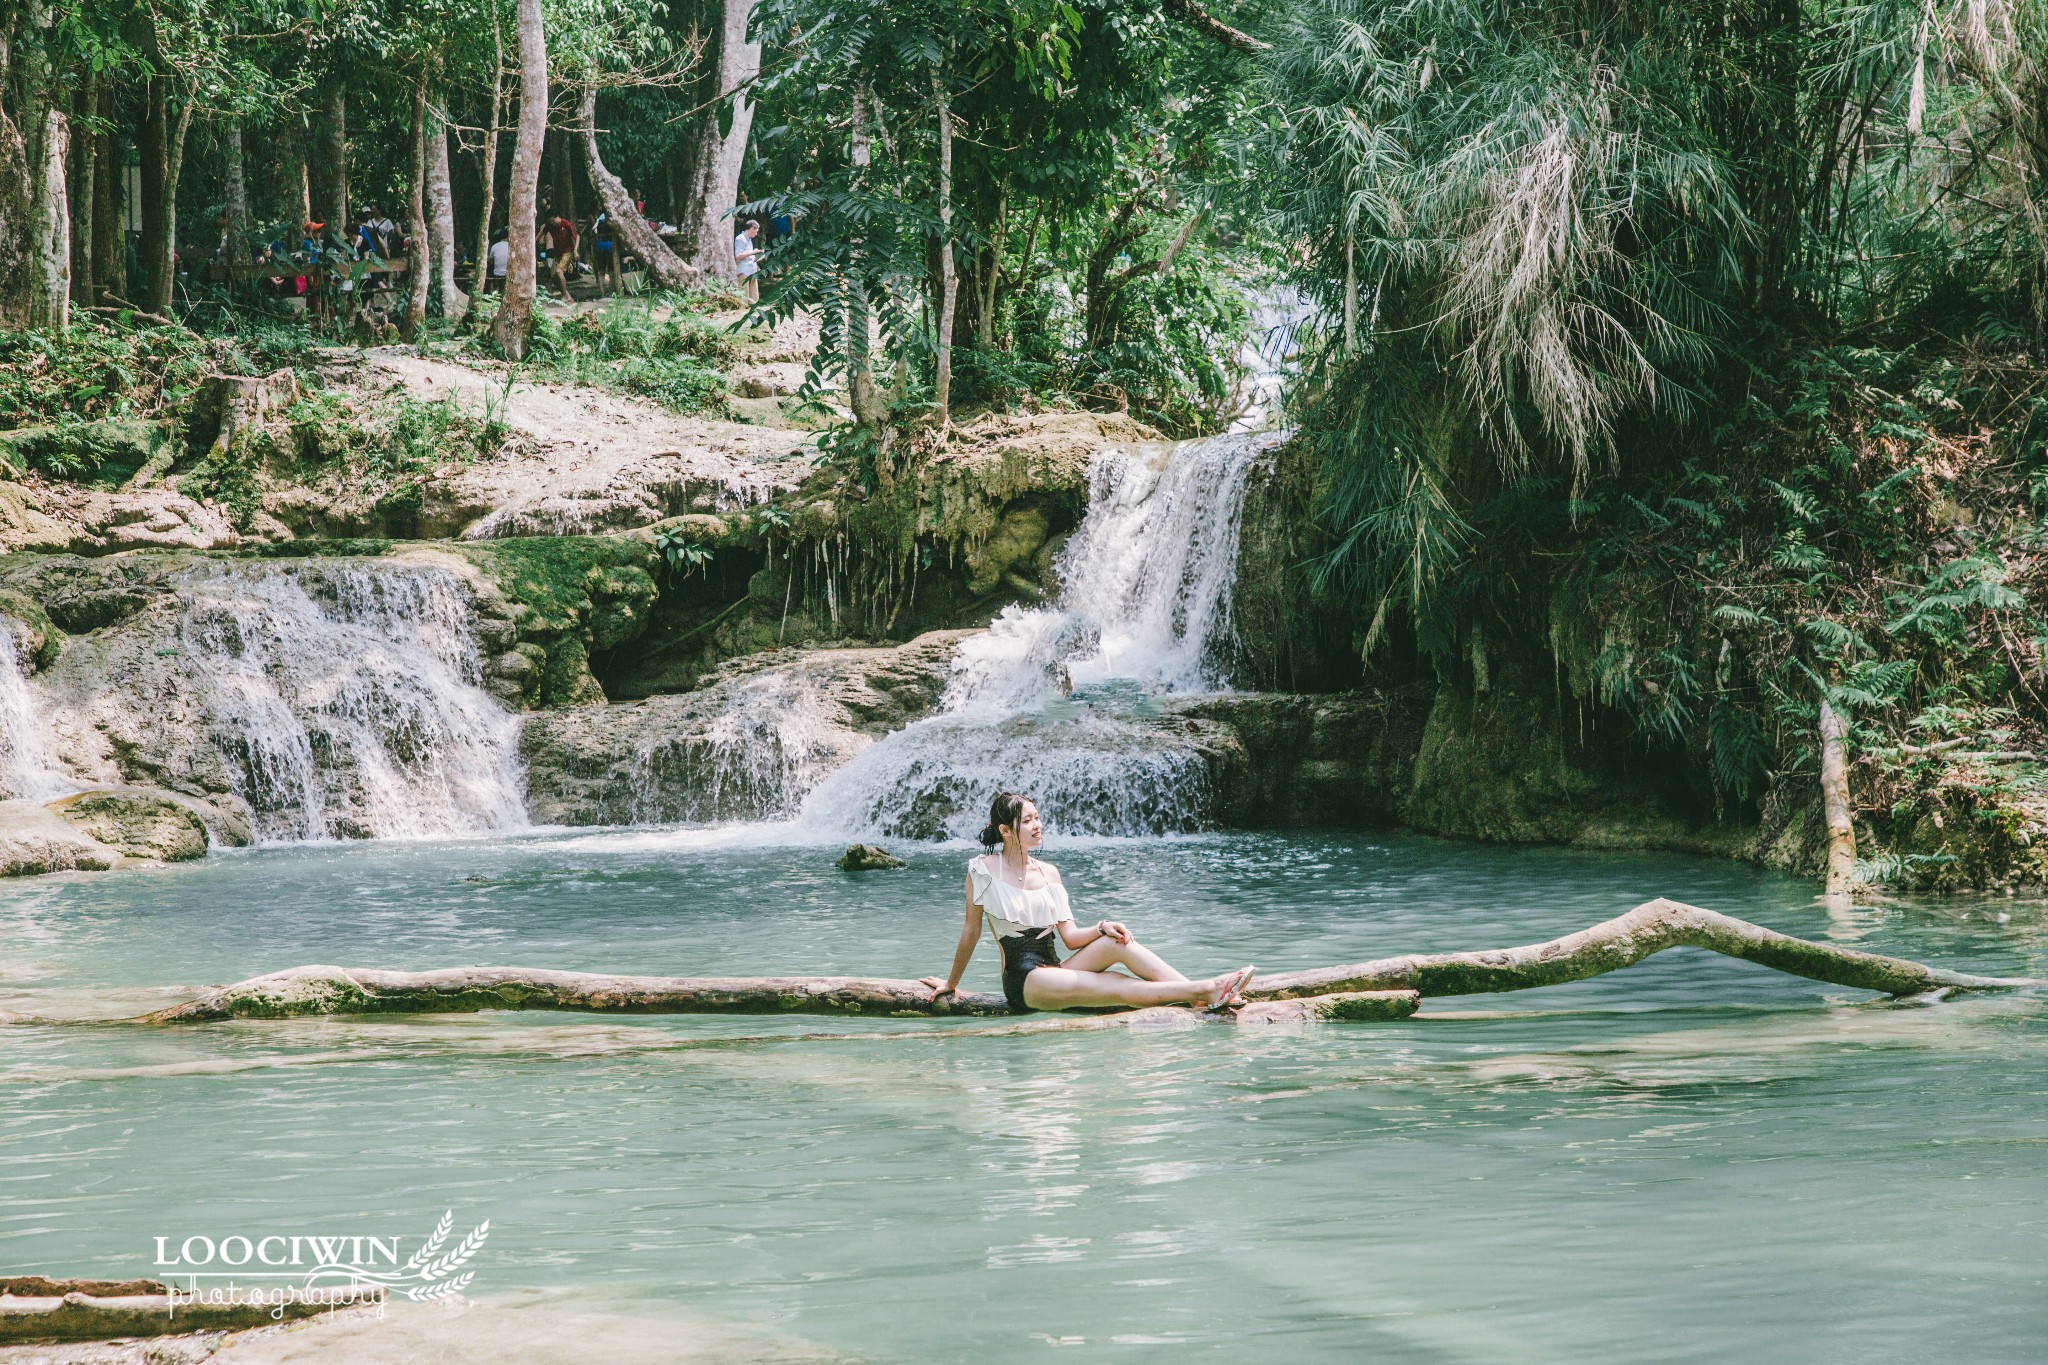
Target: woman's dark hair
1006,809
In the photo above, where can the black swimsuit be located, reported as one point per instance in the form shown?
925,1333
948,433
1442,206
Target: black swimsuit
1022,953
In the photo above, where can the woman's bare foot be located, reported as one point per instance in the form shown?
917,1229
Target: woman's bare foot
1223,990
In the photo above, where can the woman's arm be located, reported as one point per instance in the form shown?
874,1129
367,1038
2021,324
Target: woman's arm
963,951
1074,936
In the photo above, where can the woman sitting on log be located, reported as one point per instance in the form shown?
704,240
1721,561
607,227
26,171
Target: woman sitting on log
1024,902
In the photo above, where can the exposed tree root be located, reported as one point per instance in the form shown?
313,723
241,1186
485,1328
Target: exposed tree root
1389,988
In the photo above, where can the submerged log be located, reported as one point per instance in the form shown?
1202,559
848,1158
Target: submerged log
1387,988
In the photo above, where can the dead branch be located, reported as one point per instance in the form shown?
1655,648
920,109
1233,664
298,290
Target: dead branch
1199,19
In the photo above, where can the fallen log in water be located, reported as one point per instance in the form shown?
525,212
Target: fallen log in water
1384,989
34,1309
1622,942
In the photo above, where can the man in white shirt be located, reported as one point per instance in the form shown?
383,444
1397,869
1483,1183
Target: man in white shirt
500,258
745,253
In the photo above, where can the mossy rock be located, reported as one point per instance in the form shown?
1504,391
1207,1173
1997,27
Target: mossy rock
42,640
567,597
81,595
104,454
140,826
1015,542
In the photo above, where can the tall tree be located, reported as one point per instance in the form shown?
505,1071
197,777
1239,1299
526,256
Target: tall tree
669,270
514,322
441,217
722,144
420,252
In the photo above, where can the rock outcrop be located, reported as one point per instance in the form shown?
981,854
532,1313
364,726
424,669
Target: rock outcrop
748,745
102,828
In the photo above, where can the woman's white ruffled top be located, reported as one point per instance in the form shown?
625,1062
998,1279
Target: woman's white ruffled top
1012,909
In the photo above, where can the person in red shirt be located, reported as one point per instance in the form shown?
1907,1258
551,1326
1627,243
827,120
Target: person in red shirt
557,237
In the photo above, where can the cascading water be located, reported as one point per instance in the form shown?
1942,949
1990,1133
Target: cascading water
768,745
346,699
28,766
1056,700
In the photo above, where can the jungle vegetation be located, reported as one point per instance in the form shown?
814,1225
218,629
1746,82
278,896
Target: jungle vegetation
1682,361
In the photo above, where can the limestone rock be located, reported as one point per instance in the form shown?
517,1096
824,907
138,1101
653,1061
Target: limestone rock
867,858
748,745
36,839
138,824
93,831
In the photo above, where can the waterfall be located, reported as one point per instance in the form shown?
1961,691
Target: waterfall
1057,700
769,743
28,766
346,698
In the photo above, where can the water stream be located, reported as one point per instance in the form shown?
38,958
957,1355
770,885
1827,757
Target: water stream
28,765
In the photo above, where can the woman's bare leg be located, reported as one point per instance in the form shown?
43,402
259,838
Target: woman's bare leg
1106,952
1060,988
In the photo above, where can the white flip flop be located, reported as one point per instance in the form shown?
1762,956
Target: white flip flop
1230,999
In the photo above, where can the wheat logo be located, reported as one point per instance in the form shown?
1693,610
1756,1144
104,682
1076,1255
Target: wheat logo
434,1271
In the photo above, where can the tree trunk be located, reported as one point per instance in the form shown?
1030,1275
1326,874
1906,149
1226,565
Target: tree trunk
949,279
155,246
50,304
85,149
441,217
1834,793
669,270
515,314
174,170
561,178
335,205
238,204
300,185
490,154
1350,292
1622,942
18,177
1380,988
109,244
419,253
721,155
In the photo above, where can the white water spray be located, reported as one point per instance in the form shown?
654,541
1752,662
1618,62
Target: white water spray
346,699
28,766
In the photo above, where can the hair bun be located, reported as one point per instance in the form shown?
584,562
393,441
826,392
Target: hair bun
991,836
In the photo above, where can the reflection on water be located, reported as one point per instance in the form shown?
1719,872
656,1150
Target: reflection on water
1692,1160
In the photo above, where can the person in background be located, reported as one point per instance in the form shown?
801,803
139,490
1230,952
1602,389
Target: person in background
604,252
747,256
780,229
500,260
386,233
557,237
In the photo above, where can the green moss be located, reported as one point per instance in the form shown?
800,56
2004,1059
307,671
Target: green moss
45,641
570,596
105,454
556,577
